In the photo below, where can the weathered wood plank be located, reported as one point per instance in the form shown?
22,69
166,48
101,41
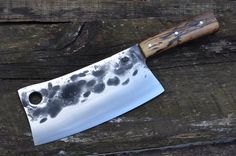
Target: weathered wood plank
87,10
199,78
47,48
202,148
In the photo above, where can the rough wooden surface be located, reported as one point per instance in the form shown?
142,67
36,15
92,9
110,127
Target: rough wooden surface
199,105
87,10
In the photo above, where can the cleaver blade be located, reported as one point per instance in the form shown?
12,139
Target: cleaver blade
104,90
90,96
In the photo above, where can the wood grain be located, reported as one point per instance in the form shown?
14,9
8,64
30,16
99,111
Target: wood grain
196,27
90,10
199,104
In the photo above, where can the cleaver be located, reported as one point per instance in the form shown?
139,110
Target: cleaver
104,90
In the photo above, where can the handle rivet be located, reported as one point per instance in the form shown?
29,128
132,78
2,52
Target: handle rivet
176,33
149,45
201,23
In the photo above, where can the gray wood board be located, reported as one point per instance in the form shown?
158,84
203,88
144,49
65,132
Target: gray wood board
86,10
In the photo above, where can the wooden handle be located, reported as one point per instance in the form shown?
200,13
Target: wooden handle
197,27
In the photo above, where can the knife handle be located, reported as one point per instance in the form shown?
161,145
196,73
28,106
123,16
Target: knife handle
196,27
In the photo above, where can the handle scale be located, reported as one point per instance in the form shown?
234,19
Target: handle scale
197,27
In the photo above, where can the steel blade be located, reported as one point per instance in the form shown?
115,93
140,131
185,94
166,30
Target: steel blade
89,96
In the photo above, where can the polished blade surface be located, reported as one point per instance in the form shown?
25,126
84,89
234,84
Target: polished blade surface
89,96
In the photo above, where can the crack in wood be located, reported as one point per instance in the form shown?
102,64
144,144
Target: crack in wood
174,147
